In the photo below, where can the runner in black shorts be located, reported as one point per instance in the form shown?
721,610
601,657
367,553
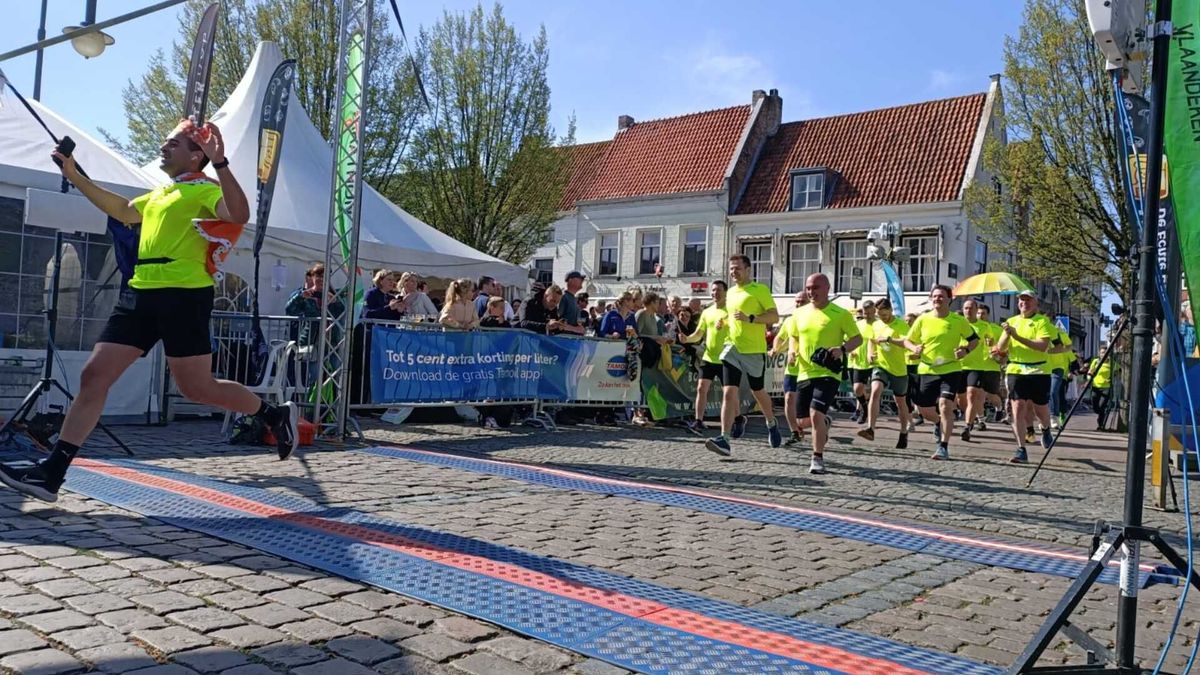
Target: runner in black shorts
941,339
169,298
1026,339
714,341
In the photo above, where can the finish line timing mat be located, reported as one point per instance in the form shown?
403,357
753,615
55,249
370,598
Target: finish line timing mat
630,623
931,540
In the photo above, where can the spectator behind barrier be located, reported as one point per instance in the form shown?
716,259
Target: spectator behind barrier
541,312
459,312
487,288
383,302
516,309
416,300
494,318
612,324
568,306
306,303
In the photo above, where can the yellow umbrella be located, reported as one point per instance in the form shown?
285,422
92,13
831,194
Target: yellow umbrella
988,283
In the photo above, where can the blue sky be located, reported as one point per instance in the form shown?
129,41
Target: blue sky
613,57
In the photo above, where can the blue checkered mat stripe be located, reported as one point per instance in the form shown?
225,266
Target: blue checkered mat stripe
811,522
626,641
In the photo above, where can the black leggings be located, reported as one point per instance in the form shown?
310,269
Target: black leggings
1100,405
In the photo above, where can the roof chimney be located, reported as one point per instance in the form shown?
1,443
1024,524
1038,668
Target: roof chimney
995,77
624,122
757,95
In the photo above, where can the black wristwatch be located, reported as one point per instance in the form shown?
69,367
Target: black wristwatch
221,164
751,318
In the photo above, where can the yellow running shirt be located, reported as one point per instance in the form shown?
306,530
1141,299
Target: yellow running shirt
815,328
1062,361
1023,360
1102,373
787,331
752,299
890,357
980,358
167,232
860,359
714,338
940,337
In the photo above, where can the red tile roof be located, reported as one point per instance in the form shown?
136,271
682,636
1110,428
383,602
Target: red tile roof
904,155
584,160
689,153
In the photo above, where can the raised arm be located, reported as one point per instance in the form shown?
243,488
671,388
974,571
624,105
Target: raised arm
111,203
233,207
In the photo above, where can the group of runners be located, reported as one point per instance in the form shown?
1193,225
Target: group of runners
938,365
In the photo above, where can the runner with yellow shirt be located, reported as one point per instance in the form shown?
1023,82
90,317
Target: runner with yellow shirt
1061,358
824,334
750,309
1101,374
982,371
938,337
891,369
1027,338
860,365
169,299
714,341
787,328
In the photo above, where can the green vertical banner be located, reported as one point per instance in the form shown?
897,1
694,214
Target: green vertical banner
349,137
1181,137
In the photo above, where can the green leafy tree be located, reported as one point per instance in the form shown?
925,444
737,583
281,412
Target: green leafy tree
1057,198
483,166
306,31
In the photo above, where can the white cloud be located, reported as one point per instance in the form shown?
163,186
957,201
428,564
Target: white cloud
941,80
714,72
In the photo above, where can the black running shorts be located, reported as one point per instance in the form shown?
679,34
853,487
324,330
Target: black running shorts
1033,388
987,380
933,387
860,375
816,395
709,371
177,316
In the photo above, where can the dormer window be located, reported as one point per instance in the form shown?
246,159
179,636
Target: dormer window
808,189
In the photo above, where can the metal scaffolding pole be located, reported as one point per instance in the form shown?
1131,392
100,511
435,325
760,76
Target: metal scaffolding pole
332,397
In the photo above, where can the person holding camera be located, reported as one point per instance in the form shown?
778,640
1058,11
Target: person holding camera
751,308
941,339
821,337
169,299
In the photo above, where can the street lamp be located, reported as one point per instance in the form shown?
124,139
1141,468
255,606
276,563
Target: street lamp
91,43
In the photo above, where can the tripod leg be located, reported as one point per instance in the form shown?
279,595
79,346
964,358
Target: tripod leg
1175,559
108,432
1062,611
22,411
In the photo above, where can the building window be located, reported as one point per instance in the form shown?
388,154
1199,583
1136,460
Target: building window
650,244
695,243
808,191
852,254
545,270
981,251
760,261
804,259
609,246
921,272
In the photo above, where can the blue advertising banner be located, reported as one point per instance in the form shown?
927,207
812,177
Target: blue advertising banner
410,366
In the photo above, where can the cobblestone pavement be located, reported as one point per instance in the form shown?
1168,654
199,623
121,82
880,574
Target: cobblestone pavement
85,585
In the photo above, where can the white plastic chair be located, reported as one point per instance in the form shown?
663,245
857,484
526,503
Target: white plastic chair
274,385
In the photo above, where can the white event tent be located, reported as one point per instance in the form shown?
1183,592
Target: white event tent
296,235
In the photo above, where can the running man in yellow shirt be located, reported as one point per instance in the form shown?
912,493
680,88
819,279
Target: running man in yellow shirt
941,338
891,370
750,308
787,328
170,299
1027,338
824,334
982,371
714,341
860,365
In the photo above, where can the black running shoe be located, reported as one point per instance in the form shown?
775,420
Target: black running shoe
868,434
902,442
287,430
34,481
739,427
796,439
966,434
